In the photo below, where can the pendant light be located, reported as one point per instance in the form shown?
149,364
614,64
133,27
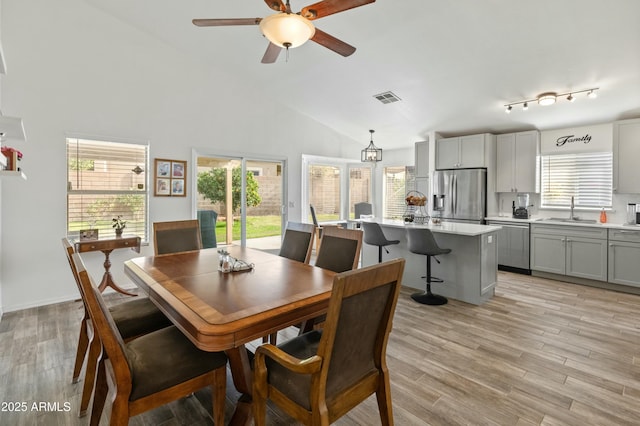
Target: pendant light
371,153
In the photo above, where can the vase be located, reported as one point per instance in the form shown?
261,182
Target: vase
119,232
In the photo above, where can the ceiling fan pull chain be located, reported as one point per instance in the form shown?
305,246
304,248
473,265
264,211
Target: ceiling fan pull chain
286,46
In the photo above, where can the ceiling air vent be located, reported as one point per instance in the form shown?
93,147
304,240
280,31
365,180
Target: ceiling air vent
387,97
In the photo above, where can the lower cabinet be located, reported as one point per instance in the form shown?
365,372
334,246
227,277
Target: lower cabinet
513,244
624,257
570,250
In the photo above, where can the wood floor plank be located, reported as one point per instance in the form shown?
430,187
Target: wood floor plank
541,352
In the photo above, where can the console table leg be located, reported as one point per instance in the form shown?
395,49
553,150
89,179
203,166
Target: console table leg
107,280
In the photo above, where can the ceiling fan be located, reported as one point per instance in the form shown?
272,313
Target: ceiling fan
286,29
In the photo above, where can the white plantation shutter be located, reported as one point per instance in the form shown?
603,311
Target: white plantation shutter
588,177
106,180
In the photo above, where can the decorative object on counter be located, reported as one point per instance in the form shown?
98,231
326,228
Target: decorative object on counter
415,211
13,157
119,224
371,153
170,178
603,216
549,98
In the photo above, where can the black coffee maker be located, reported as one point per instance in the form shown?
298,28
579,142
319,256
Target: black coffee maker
521,211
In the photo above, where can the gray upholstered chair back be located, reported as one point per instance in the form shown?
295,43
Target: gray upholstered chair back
362,208
340,249
421,241
207,219
177,236
298,241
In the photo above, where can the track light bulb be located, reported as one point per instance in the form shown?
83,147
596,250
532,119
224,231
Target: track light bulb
592,94
508,110
570,98
525,106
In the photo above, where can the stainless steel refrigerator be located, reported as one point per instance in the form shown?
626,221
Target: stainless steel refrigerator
460,195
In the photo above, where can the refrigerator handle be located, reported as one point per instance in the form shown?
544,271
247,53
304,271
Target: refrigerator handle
454,200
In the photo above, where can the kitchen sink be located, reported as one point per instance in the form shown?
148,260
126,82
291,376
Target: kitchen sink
567,220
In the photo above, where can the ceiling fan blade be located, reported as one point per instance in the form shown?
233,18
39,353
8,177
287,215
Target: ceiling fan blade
332,43
225,22
276,5
270,56
329,7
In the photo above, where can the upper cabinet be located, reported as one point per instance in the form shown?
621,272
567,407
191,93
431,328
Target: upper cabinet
422,159
626,151
464,151
516,155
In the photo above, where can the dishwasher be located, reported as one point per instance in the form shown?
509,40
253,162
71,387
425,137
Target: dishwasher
513,246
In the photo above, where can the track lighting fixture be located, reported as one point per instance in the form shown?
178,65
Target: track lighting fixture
550,98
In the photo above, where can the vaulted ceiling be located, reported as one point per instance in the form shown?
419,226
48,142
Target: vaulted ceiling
453,64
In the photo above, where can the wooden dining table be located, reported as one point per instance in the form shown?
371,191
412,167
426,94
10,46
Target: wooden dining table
223,311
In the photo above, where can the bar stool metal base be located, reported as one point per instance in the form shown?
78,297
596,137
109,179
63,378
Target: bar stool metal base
428,298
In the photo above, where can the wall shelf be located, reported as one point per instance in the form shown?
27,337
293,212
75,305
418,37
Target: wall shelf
12,174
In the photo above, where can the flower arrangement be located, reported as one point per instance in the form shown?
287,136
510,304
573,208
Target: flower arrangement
118,223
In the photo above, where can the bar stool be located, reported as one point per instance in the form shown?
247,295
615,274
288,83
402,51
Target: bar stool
374,236
421,241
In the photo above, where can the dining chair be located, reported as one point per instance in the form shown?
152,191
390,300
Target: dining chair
176,236
132,318
296,245
207,219
362,208
340,249
298,241
149,371
320,376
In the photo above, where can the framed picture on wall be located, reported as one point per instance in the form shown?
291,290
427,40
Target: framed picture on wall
170,178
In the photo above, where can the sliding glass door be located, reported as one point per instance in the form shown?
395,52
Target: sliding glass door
246,197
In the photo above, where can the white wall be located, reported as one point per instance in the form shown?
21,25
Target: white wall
75,69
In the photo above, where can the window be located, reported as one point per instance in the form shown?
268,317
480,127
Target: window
324,191
359,187
587,177
397,182
105,180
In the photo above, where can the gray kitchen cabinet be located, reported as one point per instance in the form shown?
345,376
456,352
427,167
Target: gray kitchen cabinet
548,253
626,151
570,250
516,165
464,151
422,159
624,257
586,258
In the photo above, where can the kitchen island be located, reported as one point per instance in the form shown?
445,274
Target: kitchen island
469,271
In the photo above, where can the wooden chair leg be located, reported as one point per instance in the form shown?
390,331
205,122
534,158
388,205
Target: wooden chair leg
83,344
219,395
95,349
100,394
383,396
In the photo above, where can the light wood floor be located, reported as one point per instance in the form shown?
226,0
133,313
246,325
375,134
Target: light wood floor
541,352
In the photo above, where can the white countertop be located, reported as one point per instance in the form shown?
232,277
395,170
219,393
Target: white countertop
468,229
547,221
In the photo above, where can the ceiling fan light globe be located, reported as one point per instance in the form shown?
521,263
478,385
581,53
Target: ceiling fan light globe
287,29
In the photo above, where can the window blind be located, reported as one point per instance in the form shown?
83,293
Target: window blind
105,180
588,177
397,182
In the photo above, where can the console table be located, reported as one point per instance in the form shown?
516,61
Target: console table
106,246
